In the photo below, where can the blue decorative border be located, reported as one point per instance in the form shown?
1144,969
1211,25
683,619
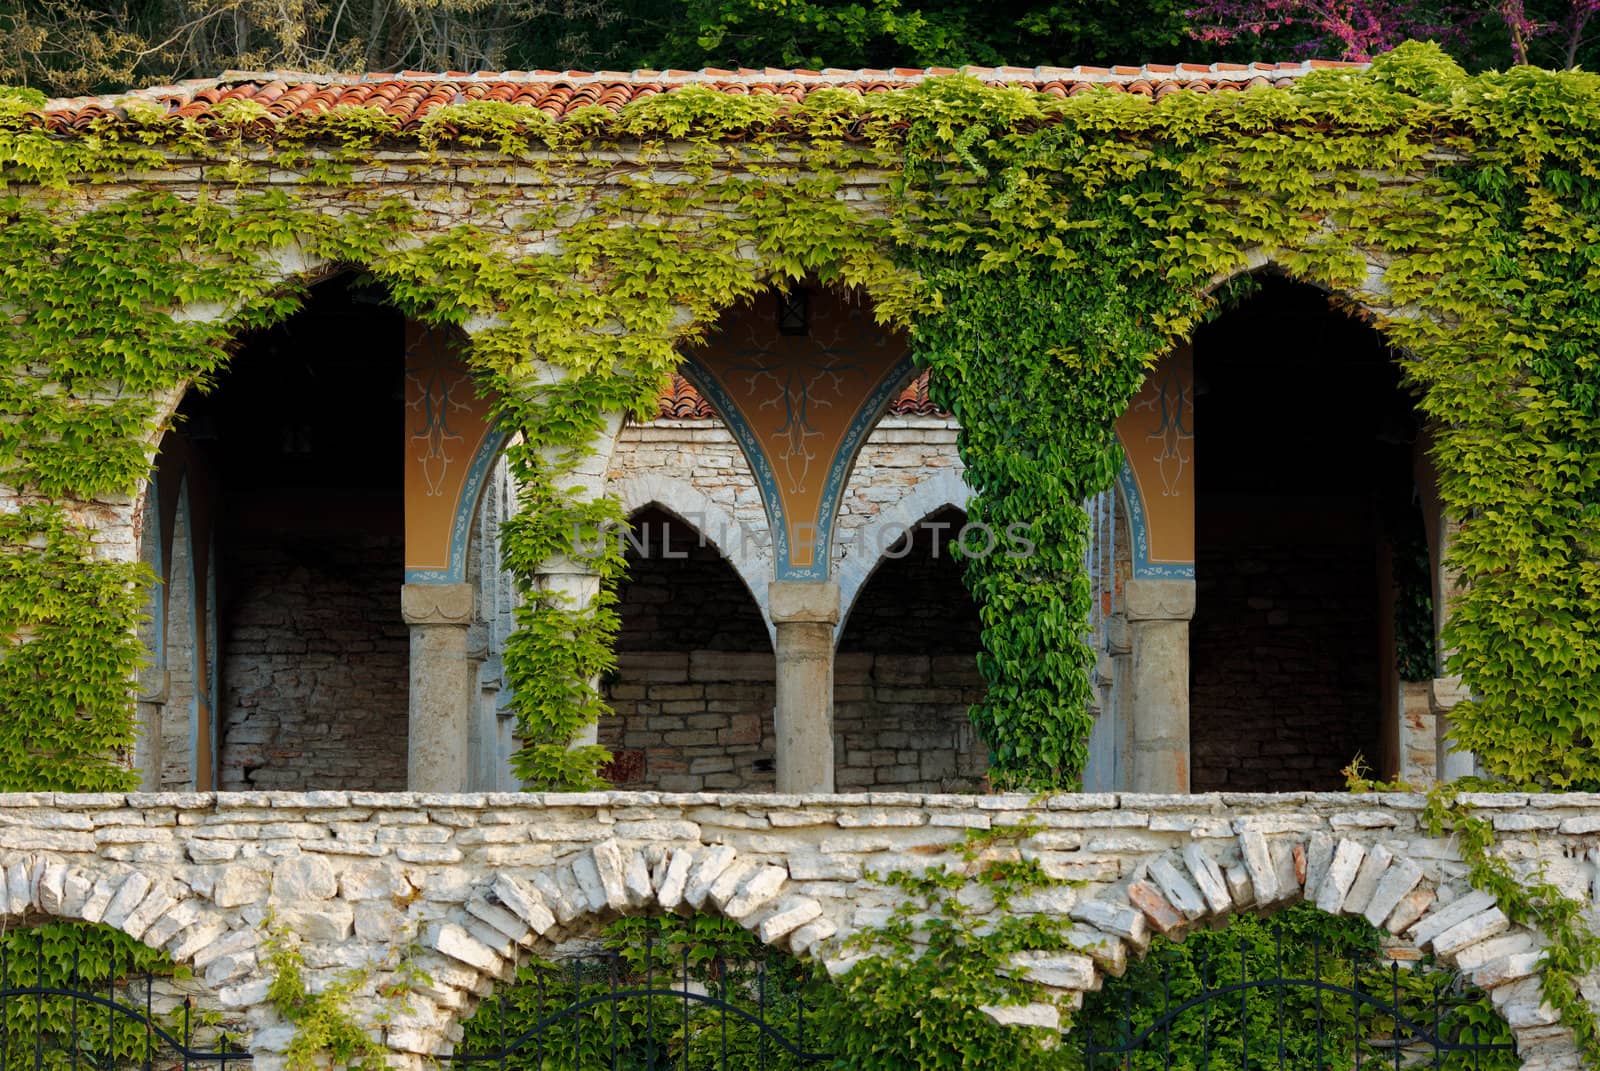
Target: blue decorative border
867,416
1139,533
466,509
156,559
750,445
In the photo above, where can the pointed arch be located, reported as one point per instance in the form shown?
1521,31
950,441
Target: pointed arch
870,544
743,550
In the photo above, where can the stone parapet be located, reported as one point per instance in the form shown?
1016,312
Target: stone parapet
365,878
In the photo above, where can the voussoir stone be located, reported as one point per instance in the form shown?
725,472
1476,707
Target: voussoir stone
1257,856
1341,875
674,880
1179,890
791,914
708,868
1208,877
1401,877
1156,907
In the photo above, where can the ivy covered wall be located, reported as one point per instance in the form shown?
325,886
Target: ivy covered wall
1043,252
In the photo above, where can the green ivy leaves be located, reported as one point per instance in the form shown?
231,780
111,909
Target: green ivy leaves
1042,251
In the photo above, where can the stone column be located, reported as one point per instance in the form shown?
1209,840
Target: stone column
441,675
1444,693
147,756
480,712
1159,612
805,613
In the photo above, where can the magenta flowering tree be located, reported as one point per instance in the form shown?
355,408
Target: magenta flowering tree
1553,32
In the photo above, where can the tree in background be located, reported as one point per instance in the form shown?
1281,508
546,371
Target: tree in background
78,46
1481,33
889,33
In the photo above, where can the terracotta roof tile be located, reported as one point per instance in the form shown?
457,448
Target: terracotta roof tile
680,401
411,95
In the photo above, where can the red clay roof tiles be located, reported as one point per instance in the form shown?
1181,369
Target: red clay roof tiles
411,95
680,401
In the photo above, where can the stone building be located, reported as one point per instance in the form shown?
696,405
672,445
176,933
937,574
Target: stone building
1246,619
325,735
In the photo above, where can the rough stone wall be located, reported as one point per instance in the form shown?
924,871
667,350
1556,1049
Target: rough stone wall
1282,651
901,453
476,879
314,664
900,723
691,721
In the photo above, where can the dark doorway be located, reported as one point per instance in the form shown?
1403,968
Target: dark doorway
303,438
907,671
694,685
1304,460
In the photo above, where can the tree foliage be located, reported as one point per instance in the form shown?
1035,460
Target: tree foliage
1552,33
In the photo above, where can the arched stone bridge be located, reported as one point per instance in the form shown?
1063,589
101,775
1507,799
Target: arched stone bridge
472,881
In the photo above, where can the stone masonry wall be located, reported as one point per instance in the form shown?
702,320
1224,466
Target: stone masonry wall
691,721
900,453
900,723
481,880
314,664
1282,652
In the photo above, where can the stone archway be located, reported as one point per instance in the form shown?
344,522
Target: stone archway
359,879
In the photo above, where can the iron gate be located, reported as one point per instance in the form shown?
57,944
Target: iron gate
1372,1013
637,1010
55,1020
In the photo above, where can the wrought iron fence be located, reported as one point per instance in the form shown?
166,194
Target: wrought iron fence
55,1016
645,1008
1352,1009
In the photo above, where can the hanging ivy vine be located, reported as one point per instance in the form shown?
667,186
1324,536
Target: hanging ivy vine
1042,253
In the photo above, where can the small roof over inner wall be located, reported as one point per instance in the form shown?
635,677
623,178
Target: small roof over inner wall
680,401
410,95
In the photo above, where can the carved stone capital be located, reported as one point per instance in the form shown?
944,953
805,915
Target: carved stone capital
154,684
436,604
804,600
1159,600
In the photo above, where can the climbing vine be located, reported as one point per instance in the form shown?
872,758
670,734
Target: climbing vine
1572,950
1042,253
919,995
324,1026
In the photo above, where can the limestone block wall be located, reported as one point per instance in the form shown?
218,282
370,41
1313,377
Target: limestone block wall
315,661
900,723
902,455
479,880
692,721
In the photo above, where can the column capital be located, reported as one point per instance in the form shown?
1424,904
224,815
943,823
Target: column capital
1159,600
436,604
804,600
